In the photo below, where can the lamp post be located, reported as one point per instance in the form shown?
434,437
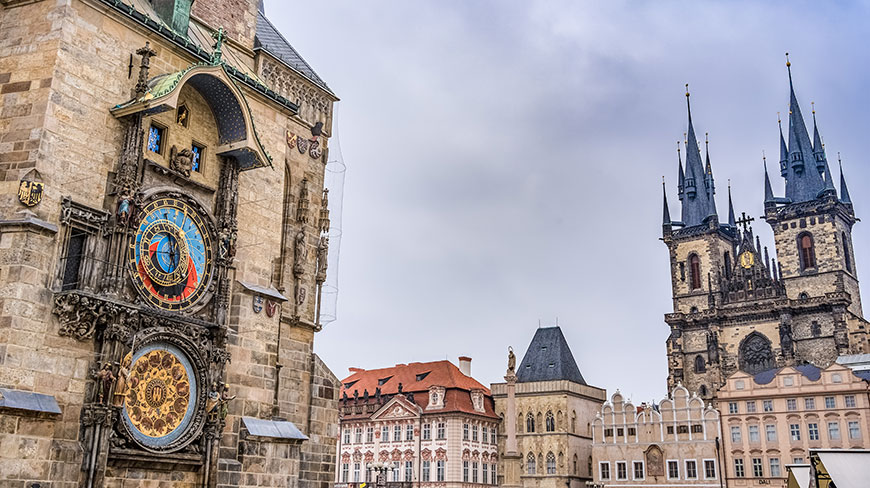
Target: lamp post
380,469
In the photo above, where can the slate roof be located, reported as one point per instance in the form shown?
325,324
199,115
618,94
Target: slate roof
270,40
549,358
810,372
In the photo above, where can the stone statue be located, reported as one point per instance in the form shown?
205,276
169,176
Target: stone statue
121,384
300,253
212,402
225,401
125,199
104,379
322,255
181,161
512,360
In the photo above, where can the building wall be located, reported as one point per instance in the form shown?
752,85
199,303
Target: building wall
770,402
680,430
573,407
62,66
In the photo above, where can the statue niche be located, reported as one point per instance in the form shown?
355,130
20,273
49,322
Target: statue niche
756,354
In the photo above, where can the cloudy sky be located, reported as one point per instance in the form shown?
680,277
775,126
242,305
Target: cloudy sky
505,162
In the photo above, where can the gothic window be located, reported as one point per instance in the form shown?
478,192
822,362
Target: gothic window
573,422
156,138
682,271
727,265
695,271
530,464
816,329
551,423
703,390
530,424
807,251
846,254
72,265
551,463
198,154
700,364
756,354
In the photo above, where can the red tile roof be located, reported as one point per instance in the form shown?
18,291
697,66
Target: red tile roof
440,373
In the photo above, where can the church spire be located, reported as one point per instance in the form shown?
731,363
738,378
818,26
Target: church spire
708,177
819,147
768,191
698,184
783,150
803,180
682,176
844,191
666,217
731,221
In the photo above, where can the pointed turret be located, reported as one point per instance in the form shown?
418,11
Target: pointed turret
731,220
819,147
803,180
783,150
829,181
699,189
844,191
682,176
666,218
769,199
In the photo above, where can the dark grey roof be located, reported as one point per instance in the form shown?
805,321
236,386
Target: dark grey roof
270,40
276,429
811,372
28,400
549,358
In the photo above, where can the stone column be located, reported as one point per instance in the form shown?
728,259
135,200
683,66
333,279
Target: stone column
512,459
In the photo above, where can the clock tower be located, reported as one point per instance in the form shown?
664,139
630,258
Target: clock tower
739,307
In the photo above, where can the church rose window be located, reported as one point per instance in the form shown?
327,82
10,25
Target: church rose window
807,251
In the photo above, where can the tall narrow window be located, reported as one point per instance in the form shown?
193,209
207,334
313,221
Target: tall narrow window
700,364
75,249
530,464
727,265
156,136
846,255
807,251
198,153
551,463
530,423
695,271
551,422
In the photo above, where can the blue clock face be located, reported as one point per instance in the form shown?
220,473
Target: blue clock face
171,258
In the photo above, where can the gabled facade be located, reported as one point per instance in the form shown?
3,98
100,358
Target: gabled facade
432,423
162,254
738,306
547,409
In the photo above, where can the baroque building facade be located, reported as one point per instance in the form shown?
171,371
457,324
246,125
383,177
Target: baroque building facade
776,418
736,307
546,408
674,443
162,247
431,423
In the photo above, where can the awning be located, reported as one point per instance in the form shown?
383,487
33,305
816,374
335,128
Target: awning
276,429
28,400
848,468
270,292
798,475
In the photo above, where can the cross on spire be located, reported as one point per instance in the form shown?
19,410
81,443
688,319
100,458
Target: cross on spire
142,84
219,36
744,221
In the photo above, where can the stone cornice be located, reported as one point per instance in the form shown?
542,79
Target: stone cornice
761,310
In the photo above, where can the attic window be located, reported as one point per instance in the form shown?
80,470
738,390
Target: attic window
422,376
551,365
528,366
383,380
349,384
543,348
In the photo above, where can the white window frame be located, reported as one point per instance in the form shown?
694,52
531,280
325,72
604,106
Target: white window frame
767,433
624,463
839,433
733,408
427,470
668,468
792,432
735,429
770,467
601,471
427,431
440,470
749,433
849,424
642,469
687,461
465,431
715,468
409,432
742,467
465,471
810,431
767,405
370,435
356,472
832,403
849,401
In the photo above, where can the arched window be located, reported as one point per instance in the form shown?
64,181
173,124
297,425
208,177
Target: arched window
816,329
727,265
530,464
560,420
561,459
573,422
700,364
588,465
703,391
530,423
846,254
551,463
540,419
551,422
575,464
520,423
695,271
807,251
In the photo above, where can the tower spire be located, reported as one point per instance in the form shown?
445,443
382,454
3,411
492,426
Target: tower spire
731,221
708,176
768,191
666,217
844,191
783,150
682,176
698,184
819,147
803,179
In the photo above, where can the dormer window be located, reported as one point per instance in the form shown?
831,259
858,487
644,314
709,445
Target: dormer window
422,376
436,397
382,381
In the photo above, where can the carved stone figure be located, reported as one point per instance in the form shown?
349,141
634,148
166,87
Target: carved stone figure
300,254
225,401
121,384
512,360
125,200
181,161
322,262
756,354
786,340
303,202
227,243
104,379
212,403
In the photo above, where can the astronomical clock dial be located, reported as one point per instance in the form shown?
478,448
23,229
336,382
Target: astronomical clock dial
747,259
171,255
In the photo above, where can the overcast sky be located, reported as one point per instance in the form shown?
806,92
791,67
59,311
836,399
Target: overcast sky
505,162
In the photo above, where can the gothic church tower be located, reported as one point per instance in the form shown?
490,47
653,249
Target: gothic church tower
735,308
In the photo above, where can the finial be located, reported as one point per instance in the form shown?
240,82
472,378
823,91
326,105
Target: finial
764,157
729,184
838,159
678,148
686,140
663,180
687,90
779,120
814,107
707,138
787,62
219,36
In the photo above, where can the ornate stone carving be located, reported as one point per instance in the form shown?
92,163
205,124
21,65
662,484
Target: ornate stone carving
323,222
80,316
72,213
300,253
303,202
322,259
181,161
756,354
512,360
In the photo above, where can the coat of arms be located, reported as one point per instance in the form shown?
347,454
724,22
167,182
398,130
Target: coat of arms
291,140
315,150
258,303
271,306
302,145
30,192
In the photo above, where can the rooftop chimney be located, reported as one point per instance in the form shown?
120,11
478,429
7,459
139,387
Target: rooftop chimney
465,365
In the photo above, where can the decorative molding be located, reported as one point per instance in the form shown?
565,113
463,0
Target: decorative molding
83,216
